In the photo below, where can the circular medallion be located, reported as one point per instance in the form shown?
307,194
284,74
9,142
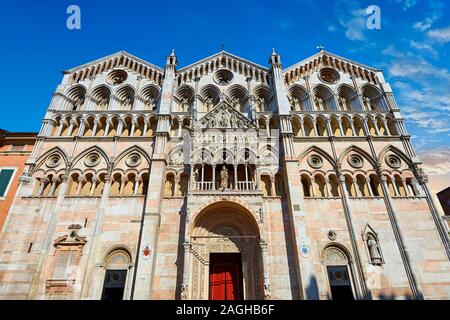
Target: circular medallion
53,161
304,250
332,235
116,77
92,159
315,161
146,252
329,75
356,161
393,161
223,77
133,160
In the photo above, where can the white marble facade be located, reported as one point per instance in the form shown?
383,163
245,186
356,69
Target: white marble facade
150,170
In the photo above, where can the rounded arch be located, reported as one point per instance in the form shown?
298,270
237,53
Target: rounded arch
211,215
210,91
118,250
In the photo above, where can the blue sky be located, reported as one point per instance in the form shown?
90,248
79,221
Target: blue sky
412,46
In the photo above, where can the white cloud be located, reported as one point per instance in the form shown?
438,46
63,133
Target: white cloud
423,46
440,35
406,4
436,162
352,18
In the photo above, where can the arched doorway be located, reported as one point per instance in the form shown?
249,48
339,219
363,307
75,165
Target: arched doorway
337,263
225,254
117,264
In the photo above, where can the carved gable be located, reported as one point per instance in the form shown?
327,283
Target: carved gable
224,116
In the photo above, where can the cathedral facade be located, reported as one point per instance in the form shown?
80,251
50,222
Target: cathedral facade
223,179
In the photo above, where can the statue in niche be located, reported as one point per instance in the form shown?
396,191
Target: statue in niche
78,103
343,103
196,174
374,250
224,177
184,104
262,104
236,104
367,103
151,103
296,103
128,101
319,103
103,103
208,104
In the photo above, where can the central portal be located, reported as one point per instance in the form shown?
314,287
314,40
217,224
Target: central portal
224,261
225,276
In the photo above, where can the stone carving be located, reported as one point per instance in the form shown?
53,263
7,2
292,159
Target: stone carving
177,158
224,178
224,116
374,250
268,158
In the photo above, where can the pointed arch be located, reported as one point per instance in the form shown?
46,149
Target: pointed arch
358,150
129,150
319,151
55,150
89,150
396,151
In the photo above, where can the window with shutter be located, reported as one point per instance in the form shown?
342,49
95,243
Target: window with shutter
5,178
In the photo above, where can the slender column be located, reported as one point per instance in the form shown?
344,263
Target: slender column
405,187
94,130
353,128
214,176
400,242
122,185
272,186
145,127
119,127
369,188
315,127
53,188
83,124
79,186
137,182
184,285
266,281
247,187
396,190
108,123
302,131
94,185
363,291
235,176
313,186
327,187
203,177
69,132
60,129
375,123
355,185
267,127
341,128
133,127
386,127
42,186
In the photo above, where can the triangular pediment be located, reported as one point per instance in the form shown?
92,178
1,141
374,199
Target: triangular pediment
328,59
120,59
224,116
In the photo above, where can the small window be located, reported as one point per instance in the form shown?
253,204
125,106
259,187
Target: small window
17,147
5,178
64,265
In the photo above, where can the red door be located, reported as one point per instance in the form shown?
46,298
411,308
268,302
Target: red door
225,276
